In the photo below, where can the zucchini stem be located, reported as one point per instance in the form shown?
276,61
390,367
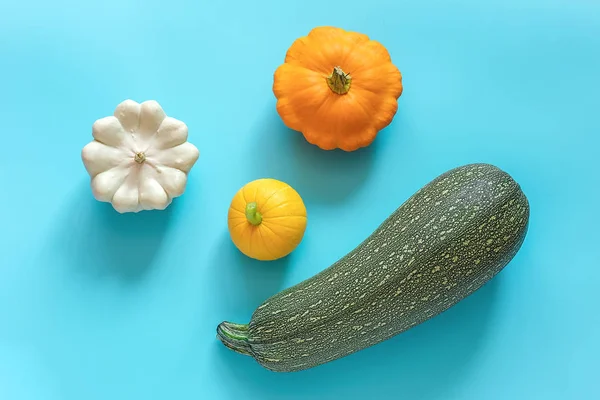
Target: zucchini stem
234,337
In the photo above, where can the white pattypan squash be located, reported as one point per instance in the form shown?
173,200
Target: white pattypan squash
139,158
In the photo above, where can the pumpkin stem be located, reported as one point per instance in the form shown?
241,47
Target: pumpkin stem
139,157
252,214
339,81
234,337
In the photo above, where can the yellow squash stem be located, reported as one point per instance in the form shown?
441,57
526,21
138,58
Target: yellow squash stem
252,214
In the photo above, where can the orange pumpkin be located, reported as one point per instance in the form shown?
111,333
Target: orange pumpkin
338,88
267,219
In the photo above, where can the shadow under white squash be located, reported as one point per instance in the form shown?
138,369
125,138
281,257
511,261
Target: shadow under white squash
140,157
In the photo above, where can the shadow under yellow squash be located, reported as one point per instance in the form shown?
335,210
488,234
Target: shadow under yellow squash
267,219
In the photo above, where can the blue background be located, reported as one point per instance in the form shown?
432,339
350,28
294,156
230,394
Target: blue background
97,305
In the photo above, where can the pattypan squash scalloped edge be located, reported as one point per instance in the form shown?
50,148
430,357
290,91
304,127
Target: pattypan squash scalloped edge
139,158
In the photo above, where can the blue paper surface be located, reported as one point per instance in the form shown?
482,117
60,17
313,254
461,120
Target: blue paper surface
95,305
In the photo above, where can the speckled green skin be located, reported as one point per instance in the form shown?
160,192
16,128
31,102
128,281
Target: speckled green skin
441,245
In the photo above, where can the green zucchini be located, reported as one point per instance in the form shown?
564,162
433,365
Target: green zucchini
445,242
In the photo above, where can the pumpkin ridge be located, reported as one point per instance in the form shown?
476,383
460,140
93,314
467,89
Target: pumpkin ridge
304,115
302,50
352,48
366,89
383,123
317,36
250,236
238,224
282,90
284,203
138,171
368,135
356,101
131,174
270,221
294,65
386,67
366,67
169,199
373,58
318,110
291,94
112,197
264,203
279,241
291,120
391,91
286,216
151,141
243,193
166,156
167,178
128,114
90,154
316,113
254,197
106,195
389,103
272,233
276,237
241,232
354,141
371,130
273,220
150,200
233,208
331,132
239,197
264,242
317,138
